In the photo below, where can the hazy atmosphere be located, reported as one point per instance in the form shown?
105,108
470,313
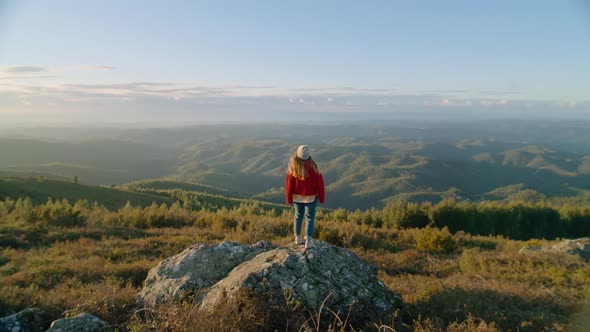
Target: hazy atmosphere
295,166
226,61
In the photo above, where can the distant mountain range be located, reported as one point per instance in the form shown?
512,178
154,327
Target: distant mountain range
363,165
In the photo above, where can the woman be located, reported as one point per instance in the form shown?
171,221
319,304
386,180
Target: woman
304,187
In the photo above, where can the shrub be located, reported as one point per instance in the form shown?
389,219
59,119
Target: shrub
223,223
364,241
60,213
282,229
257,231
406,215
435,240
330,235
471,261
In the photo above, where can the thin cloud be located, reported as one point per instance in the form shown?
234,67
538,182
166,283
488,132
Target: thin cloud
488,92
26,77
24,100
345,88
568,103
24,72
39,72
186,98
247,87
130,85
93,68
23,69
162,89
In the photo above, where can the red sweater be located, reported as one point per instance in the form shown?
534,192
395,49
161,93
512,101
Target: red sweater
312,185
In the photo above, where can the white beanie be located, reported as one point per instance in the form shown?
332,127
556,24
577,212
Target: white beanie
303,152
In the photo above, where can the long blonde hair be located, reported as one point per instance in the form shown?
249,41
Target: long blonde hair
297,167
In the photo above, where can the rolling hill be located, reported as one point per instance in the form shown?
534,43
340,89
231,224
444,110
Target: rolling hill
97,162
371,172
40,190
364,165
167,185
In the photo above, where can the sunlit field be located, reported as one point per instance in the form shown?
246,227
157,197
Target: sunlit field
68,259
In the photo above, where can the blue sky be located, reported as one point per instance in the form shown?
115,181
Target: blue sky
197,59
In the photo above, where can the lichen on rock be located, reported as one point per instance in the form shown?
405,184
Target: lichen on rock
325,276
580,247
83,322
577,247
27,320
196,268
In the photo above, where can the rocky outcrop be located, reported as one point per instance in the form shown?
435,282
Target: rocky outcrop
196,268
326,274
529,248
579,247
83,322
28,320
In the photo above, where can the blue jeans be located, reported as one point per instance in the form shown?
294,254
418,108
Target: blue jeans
307,210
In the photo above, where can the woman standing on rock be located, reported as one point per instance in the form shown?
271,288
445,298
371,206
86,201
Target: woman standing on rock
304,187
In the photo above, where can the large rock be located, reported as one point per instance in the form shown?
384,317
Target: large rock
325,274
529,248
196,268
83,322
28,320
579,247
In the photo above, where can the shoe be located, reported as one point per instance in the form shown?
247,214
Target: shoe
309,243
298,240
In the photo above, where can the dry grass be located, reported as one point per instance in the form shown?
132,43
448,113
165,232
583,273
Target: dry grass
481,284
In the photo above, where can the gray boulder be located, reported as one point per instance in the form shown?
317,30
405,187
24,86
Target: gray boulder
529,248
196,268
580,247
83,322
289,275
325,274
28,320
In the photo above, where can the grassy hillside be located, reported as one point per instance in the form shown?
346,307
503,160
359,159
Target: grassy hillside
198,197
99,162
97,260
36,175
40,190
148,185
